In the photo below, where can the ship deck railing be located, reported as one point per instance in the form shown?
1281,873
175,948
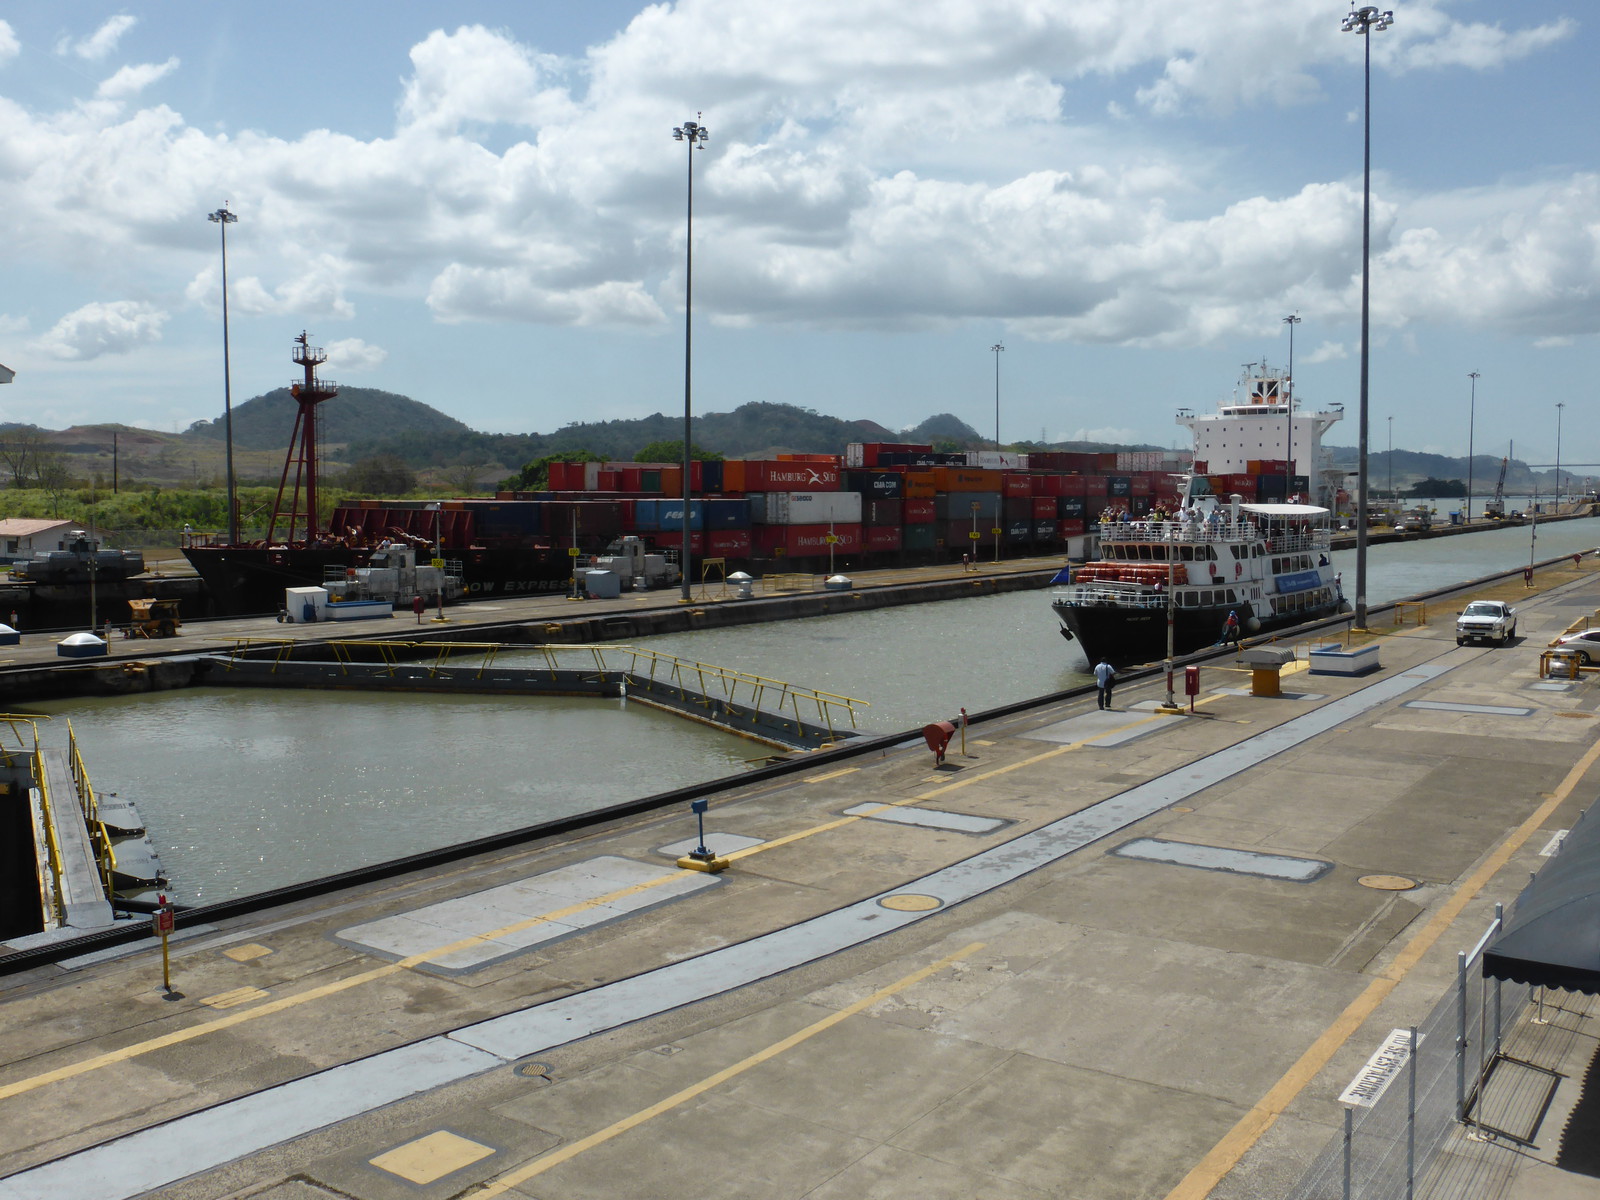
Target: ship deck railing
1204,532
1111,595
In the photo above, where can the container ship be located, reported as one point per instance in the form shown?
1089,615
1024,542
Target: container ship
877,504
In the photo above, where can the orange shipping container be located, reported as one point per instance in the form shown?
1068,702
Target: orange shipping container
966,479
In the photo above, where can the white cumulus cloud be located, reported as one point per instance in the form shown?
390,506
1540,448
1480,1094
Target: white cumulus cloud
353,354
131,80
114,327
102,41
9,46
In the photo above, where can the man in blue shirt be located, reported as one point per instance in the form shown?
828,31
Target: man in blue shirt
1105,677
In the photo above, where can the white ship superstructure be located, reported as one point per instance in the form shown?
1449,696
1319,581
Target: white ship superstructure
1264,423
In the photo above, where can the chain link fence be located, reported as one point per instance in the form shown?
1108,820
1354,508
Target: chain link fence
1397,1121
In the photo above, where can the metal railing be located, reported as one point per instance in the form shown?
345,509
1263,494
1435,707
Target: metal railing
757,690
789,581
1388,1143
711,683
25,731
105,852
1122,595
1202,532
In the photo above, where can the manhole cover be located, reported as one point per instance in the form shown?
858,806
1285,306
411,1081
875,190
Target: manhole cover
1387,883
911,902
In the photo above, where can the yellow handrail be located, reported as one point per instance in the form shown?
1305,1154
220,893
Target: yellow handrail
52,843
105,852
708,678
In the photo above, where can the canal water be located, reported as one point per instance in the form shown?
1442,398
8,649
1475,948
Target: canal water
246,790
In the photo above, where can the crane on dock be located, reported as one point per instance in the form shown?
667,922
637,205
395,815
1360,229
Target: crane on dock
1495,510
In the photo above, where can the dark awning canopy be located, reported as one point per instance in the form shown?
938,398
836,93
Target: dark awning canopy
1552,938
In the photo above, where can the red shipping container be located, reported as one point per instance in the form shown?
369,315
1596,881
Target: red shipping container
631,477
610,481
1094,486
957,535
882,512
1072,485
883,537
918,511
728,543
774,476
1014,483
804,541
1072,528
1044,506
1140,486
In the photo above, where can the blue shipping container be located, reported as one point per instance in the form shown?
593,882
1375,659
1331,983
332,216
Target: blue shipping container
725,514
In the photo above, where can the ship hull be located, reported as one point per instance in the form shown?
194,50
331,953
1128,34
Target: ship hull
1127,635
250,580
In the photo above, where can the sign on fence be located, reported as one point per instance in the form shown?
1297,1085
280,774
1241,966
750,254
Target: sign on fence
1385,1064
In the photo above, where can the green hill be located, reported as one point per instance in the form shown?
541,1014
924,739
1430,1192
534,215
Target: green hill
265,422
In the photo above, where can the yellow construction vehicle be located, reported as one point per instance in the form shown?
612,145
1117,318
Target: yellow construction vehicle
154,618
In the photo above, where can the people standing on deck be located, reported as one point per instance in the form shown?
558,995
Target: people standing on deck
1105,678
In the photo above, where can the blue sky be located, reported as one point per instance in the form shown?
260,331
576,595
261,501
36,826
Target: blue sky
481,206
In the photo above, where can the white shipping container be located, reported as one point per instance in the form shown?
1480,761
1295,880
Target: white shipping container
813,508
996,460
855,454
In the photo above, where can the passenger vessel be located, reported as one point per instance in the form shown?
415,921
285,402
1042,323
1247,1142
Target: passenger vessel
1267,564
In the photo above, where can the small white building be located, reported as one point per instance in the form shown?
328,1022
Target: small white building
22,537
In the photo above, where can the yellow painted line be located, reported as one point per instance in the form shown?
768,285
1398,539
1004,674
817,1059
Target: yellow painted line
829,775
1227,1153
565,1154
234,998
284,1003
962,782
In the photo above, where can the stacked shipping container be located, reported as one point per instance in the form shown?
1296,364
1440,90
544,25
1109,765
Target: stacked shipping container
878,499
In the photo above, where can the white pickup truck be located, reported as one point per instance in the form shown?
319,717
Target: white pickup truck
1486,621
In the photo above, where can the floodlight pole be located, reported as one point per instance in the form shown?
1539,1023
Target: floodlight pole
1472,417
1364,21
1288,407
695,135
1559,406
224,218
997,349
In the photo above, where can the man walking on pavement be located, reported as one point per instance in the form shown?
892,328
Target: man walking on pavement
1105,677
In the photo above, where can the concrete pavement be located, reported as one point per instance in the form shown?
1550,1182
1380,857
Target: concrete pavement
1034,1000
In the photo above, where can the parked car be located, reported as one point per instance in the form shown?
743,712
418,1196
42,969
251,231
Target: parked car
1486,621
1585,642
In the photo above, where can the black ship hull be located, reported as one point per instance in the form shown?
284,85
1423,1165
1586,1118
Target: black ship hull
250,580
1124,635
